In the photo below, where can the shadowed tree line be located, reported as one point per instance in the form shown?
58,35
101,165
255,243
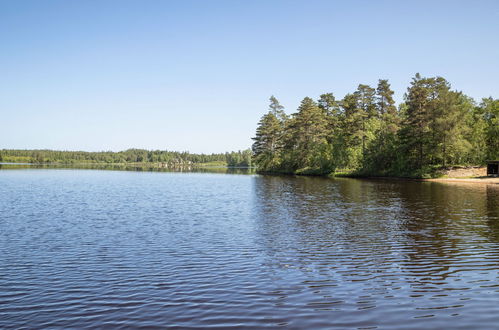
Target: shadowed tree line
365,133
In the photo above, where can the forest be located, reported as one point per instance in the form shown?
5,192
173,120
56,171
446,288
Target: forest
136,156
367,134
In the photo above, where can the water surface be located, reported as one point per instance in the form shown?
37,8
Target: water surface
90,248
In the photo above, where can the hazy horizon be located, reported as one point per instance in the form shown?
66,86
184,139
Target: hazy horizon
196,76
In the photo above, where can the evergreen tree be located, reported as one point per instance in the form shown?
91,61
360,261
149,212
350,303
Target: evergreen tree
365,131
366,109
348,152
477,135
268,141
415,133
239,158
367,100
307,139
435,127
449,127
386,106
332,110
328,104
384,98
359,119
491,115
277,109
381,156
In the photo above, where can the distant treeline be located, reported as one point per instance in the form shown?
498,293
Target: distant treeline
239,158
366,133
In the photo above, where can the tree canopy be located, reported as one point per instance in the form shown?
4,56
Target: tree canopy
366,133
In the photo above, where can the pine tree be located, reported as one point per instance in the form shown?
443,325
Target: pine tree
434,127
277,109
414,134
384,97
367,100
307,139
450,128
477,135
386,106
359,109
366,109
491,115
381,156
435,123
328,104
331,108
268,141
348,150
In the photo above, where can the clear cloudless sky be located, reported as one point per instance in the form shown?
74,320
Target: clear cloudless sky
197,75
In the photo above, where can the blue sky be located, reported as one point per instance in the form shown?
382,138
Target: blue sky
197,75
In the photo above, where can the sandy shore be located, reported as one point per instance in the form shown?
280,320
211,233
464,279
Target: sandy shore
472,174
486,180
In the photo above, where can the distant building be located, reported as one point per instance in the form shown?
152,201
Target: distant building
493,167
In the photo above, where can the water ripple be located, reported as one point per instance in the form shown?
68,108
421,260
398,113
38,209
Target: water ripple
87,249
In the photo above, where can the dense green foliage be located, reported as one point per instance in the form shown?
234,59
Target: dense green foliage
109,157
365,133
231,159
239,158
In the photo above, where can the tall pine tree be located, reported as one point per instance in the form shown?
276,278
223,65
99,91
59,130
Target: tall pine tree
307,140
268,142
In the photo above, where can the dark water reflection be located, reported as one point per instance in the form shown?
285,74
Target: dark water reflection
127,249
131,167
386,254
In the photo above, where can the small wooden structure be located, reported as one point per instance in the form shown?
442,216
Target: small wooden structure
493,168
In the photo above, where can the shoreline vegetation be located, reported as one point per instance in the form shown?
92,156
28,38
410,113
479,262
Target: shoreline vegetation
130,157
435,134
224,169
434,131
460,174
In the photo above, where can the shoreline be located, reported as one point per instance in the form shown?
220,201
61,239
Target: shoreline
469,174
471,179
483,180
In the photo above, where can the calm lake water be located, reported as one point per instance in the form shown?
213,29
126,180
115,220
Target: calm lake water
92,248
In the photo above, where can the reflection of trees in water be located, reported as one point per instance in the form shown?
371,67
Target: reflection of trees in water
335,230
321,213
492,192
428,243
380,233
135,168
446,233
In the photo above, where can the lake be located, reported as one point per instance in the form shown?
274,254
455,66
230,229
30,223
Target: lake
102,248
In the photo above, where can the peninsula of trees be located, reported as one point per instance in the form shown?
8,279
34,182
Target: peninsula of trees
365,133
